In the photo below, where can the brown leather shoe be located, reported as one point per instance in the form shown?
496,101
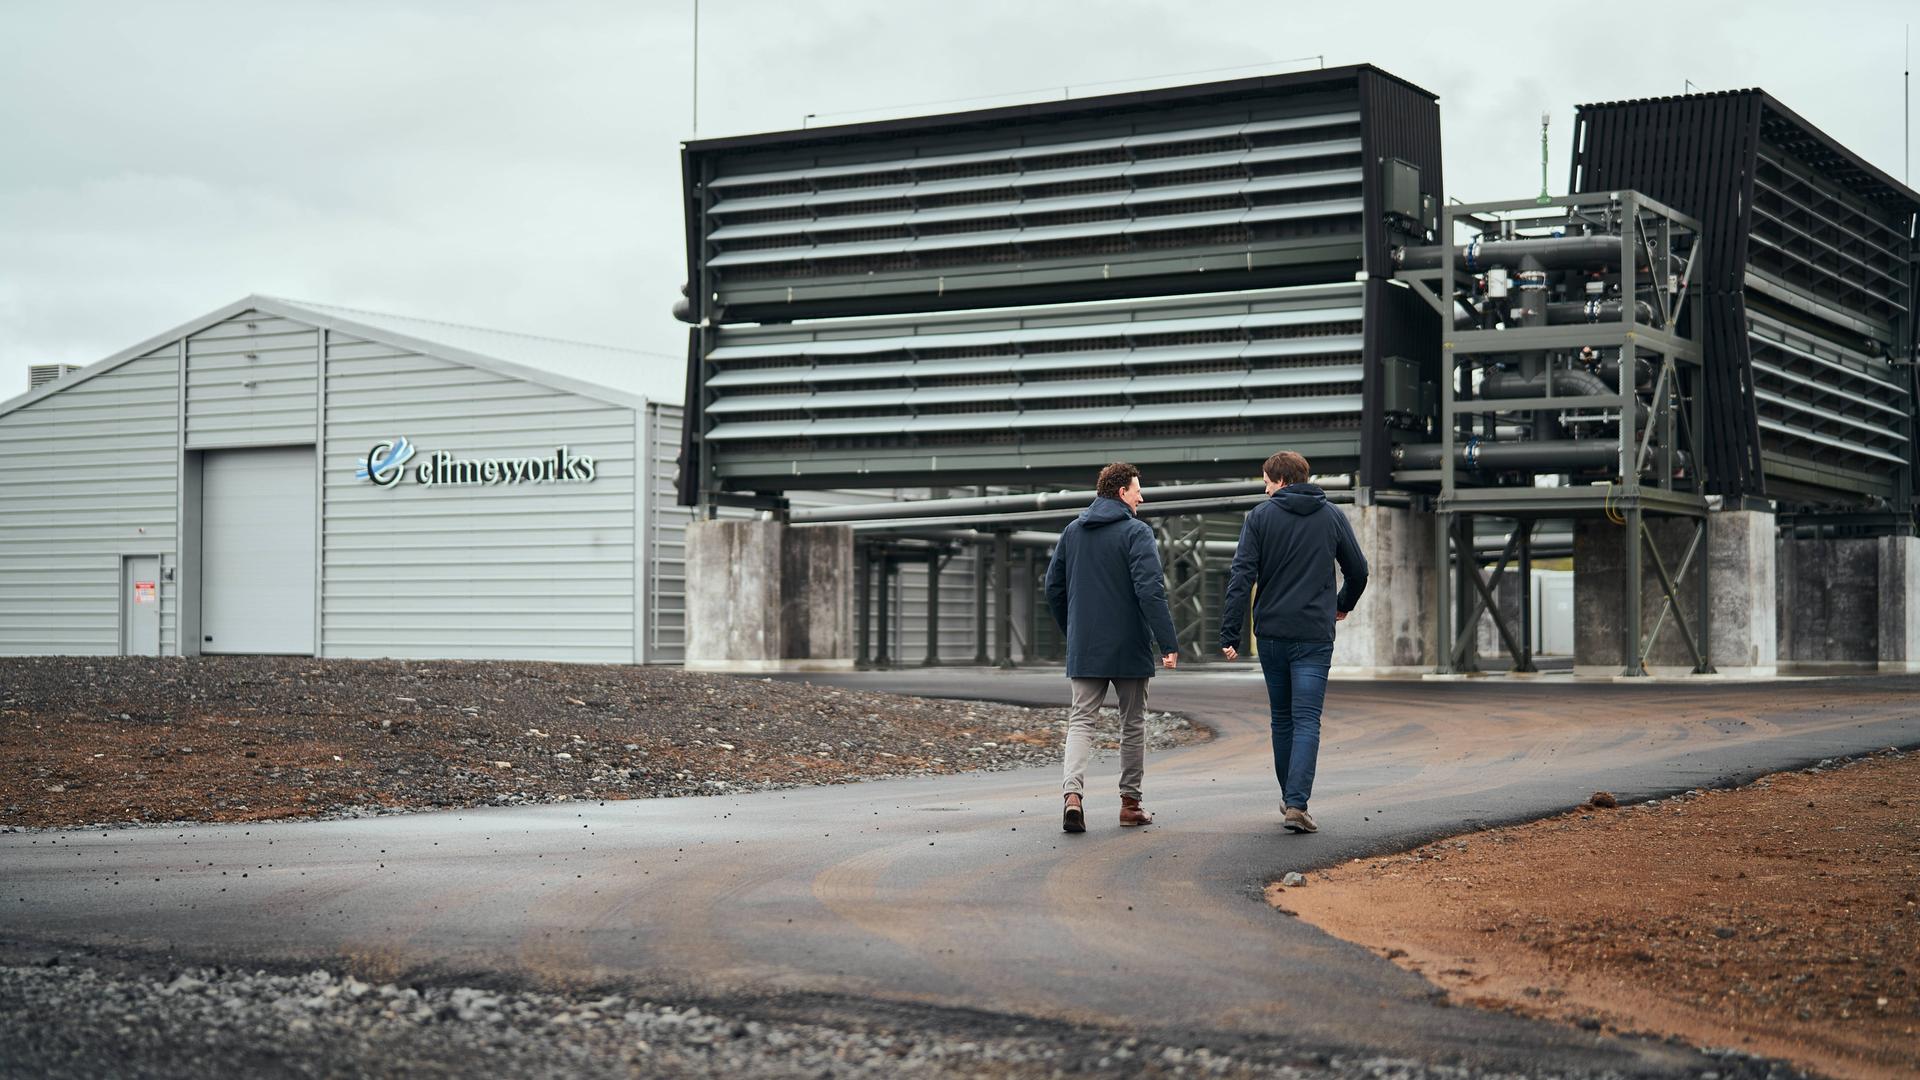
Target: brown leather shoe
1072,818
1131,814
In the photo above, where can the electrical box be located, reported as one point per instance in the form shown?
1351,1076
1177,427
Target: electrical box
1400,190
1400,383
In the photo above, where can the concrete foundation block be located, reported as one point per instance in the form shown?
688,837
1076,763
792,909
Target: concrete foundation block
1741,561
816,593
1829,611
1391,631
1742,591
764,596
1899,622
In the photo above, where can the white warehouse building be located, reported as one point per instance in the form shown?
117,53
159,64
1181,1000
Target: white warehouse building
292,478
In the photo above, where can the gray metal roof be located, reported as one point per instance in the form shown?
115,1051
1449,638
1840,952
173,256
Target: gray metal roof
602,372
601,365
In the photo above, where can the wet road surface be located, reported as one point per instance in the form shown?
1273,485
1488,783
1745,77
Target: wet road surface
962,891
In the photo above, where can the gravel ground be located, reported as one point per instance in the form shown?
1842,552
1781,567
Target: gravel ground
98,1020
129,740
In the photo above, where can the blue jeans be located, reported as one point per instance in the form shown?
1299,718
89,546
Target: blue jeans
1296,674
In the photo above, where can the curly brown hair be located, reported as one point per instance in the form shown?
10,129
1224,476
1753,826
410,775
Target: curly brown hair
1114,479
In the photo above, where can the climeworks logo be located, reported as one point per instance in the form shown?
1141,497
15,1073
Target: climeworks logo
385,465
386,462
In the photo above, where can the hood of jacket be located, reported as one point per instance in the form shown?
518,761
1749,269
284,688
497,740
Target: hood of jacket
1104,511
1302,499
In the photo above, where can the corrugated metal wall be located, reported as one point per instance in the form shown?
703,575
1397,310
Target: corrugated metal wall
87,475
251,382
523,571
665,544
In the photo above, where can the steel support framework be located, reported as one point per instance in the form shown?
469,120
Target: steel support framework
1655,240
1183,559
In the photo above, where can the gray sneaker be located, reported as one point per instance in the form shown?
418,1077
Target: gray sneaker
1300,821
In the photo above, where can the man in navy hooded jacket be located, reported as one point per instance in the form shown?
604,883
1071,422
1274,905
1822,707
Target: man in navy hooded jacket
1289,546
1106,591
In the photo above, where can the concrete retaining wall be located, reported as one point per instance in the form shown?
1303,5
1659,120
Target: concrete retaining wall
762,596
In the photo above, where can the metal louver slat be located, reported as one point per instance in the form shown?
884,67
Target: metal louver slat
756,377
1039,177
1301,376
986,211
1770,424
1301,406
1043,234
1307,346
1040,418
1806,353
1820,415
778,429
1016,153
1036,334
1821,388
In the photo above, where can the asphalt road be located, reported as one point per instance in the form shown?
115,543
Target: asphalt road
962,891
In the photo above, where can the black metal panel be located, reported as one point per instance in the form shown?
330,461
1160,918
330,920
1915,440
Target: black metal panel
686,482
1397,121
1706,155
1696,155
1398,323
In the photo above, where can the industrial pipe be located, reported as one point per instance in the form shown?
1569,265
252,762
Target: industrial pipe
1047,500
1567,312
1558,455
1501,385
1608,369
1568,382
1557,253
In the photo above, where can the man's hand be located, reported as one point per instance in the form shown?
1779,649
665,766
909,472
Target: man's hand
1230,653
1170,661
1339,616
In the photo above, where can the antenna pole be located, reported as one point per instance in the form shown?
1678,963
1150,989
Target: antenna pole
1546,118
696,67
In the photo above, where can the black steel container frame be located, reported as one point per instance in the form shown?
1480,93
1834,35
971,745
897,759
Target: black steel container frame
1398,119
1646,227
1699,153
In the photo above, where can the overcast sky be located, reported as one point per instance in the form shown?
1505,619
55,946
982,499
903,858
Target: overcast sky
515,165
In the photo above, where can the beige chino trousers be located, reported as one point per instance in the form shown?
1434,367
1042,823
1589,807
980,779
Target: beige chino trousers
1088,696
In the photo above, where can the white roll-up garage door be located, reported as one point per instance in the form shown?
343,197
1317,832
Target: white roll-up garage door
257,551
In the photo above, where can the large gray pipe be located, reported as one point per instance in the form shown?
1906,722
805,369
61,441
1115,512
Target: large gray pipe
1558,253
1568,382
1567,312
1610,370
1557,455
991,504
1502,385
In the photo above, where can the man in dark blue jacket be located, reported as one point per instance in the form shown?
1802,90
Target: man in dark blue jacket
1106,591
1288,549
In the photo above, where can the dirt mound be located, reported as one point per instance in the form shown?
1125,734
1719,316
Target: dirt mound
1781,918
